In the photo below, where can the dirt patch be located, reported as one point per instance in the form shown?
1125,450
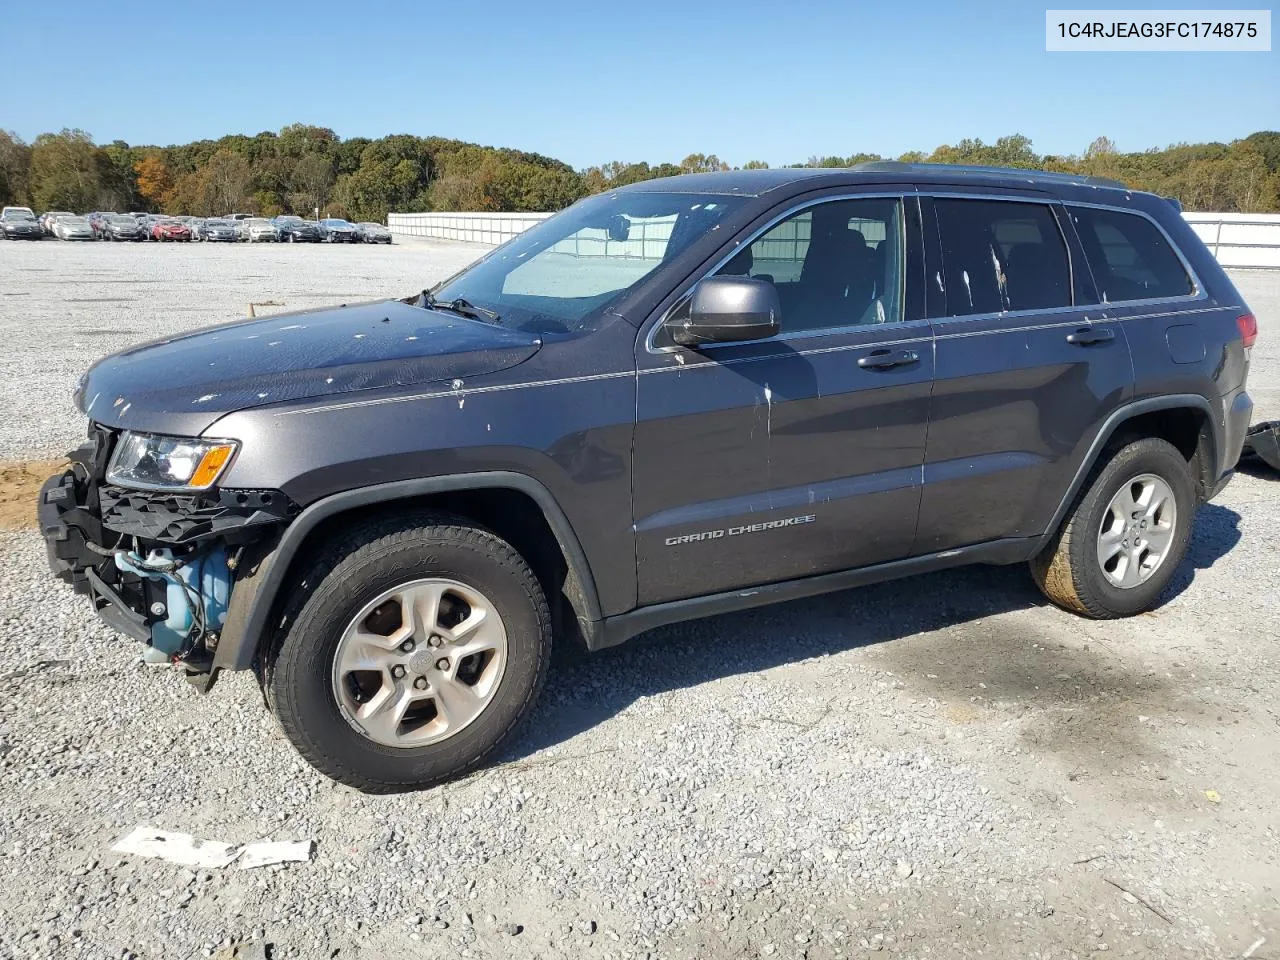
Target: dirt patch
20,483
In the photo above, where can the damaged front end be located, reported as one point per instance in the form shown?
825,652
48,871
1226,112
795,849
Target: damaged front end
158,566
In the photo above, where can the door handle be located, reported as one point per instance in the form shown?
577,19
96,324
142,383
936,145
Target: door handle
1087,335
884,359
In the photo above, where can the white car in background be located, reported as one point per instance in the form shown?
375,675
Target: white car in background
73,228
259,229
47,220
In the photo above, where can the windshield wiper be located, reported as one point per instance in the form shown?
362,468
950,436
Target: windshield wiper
463,308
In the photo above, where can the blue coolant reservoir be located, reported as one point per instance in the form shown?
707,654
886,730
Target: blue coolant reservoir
206,576
197,591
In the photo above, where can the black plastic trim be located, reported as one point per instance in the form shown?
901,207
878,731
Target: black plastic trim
114,612
621,628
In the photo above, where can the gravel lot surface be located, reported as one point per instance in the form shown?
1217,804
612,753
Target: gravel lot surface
942,767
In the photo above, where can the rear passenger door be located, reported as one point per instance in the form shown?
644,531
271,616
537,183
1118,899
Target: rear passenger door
1027,366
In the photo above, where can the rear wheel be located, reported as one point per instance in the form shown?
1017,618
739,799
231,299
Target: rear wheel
417,649
1124,540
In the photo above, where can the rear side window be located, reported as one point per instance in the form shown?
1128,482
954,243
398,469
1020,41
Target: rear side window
1001,255
1130,257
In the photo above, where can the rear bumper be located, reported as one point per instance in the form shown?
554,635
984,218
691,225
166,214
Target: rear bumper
1236,417
1236,414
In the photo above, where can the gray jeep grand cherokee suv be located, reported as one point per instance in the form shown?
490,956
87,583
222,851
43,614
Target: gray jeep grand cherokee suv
683,397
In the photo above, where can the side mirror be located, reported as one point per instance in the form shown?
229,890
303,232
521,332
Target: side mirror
727,310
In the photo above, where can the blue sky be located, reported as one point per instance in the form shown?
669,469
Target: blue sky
589,82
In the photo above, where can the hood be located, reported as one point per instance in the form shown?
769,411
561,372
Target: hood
183,384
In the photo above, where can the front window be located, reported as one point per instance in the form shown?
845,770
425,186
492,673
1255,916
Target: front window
835,264
560,276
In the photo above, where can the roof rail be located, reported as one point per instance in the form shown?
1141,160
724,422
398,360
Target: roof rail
898,166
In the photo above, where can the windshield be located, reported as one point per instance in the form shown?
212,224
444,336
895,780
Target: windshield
289,220
121,218
561,276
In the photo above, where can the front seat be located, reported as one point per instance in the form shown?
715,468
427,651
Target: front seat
837,279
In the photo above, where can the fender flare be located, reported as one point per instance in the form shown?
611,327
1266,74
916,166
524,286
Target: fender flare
1117,419
254,595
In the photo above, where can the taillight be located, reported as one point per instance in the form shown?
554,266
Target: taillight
1248,328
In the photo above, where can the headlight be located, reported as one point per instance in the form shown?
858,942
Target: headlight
151,462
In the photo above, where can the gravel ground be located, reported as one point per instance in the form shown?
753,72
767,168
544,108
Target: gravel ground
943,767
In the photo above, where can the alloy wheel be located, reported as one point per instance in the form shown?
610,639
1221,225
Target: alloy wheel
1137,531
420,662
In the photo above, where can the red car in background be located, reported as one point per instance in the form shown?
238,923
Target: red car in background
170,230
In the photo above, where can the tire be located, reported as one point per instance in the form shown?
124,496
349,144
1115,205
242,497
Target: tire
1073,572
315,701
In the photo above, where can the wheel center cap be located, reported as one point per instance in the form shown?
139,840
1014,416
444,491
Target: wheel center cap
421,661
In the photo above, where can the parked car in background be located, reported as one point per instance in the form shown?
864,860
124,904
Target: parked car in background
149,223
73,228
335,230
48,219
216,229
295,230
120,226
373,233
238,216
19,223
259,230
195,225
170,229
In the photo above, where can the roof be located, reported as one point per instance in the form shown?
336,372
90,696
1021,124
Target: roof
755,183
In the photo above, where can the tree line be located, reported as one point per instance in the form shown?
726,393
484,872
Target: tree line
303,169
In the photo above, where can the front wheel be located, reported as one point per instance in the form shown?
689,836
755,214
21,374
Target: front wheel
417,649
1124,540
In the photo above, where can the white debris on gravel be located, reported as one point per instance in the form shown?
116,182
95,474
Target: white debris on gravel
267,853
944,767
188,851
180,848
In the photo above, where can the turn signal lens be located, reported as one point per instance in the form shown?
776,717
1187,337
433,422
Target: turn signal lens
1248,325
211,465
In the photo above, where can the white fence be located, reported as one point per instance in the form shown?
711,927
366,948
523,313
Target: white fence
490,228
1239,239
1236,239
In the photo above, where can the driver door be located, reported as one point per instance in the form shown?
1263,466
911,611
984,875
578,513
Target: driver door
803,453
